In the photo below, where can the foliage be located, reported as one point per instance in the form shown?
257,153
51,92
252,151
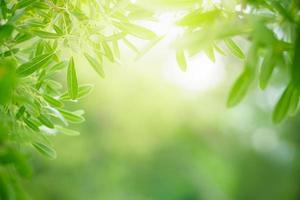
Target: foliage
269,29
41,39
38,42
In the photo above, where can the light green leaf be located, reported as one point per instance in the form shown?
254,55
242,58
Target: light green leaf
45,150
283,105
108,52
71,116
234,48
46,35
83,91
181,60
95,64
266,70
52,101
45,121
72,80
33,65
240,88
67,131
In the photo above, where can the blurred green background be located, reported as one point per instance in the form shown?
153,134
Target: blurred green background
155,133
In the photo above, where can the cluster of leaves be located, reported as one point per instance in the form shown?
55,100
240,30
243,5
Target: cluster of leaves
271,31
38,42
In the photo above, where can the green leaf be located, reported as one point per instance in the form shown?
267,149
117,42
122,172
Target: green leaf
71,116
45,121
6,31
181,60
45,150
266,70
197,18
108,52
20,112
52,101
283,105
72,80
294,102
67,131
46,35
31,125
95,64
83,91
30,67
234,48
240,88
137,31
210,52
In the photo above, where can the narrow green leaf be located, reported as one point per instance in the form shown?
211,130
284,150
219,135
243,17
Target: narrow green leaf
198,17
83,91
20,112
45,150
72,80
31,125
95,64
33,65
52,101
67,131
45,121
266,70
46,35
71,116
108,52
240,88
210,52
294,102
283,105
234,48
181,60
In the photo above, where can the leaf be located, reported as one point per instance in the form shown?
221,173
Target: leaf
137,31
294,102
20,112
9,53
197,18
67,131
283,105
240,88
95,64
266,70
83,91
52,101
181,60
33,65
234,48
72,80
108,51
45,121
6,31
46,35
71,116
45,150
210,53
31,125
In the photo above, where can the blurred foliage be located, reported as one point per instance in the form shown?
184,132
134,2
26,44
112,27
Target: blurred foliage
42,41
147,141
